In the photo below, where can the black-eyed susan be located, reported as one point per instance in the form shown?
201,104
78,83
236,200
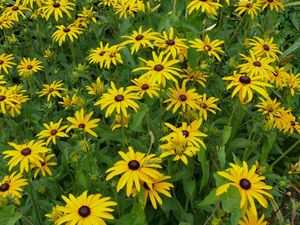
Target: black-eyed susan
245,84
18,98
55,214
2,80
295,168
292,125
96,88
43,166
69,102
57,8
48,54
31,3
250,7
160,69
211,47
52,90
144,85
126,8
16,10
262,47
249,184
251,219
272,4
135,167
99,55
113,56
140,39
171,43
120,121
7,98
25,154
6,22
195,76
118,99
108,2
63,32
83,122
87,14
86,209
293,82
207,105
29,66
52,131
6,62
11,187
208,6
270,108
278,77
181,97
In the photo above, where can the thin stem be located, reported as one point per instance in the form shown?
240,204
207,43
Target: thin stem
123,131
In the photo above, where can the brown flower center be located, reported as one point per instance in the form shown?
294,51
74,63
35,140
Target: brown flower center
119,98
293,123
185,133
245,79
102,53
82,125
53,132
2,98
29,67
43,163
170,42
245,184
203,105
257,63
4,187
15,8
1,62
182,98
270,110
133,165
248,6
207,48
145,185
139,37
270,1
145,87
266,47
50,90
56,5
26,151
66,29
84,211
158,67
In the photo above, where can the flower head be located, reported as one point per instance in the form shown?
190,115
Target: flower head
43,166
29,66
57,8
52,90
6,62
66,32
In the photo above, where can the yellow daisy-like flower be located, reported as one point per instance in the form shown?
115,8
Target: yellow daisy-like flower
96,88
195,76
2,80
48,53
126,8
251,219
52,90
207,105
293,82
279,77
69,102
118,99
160,69
272,4
135,167
295,168
113,56
86,209
121,121
88,14
144,85
24,154
208,46
6,22
251,7
140,39
38,3
99,55
18,99
55,214
171,43
6,62
261,47
43,166
180,97
29,66
16,10
57,8
52,131
11,186
270,108
245,84
64,32
7,99
249,184
208,6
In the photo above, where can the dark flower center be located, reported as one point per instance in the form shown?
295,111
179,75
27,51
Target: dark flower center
102,53
158,67
207,48
257,63
203,105
119,98
1,62
26,151
53,132
66,29
84,211
29,67
293,123
266,47
145,185
182,98
145,87
2,98
245,184
82,126
270,110
50,90
56,5
248,6
139,37
245,79
15,8
43,163
170,42
185,133
270,1
133,165
4,187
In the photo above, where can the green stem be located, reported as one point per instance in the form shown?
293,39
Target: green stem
285,153
123,131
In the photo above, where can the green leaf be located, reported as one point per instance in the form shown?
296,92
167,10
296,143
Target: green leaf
81,178
137,118
226,134
291,49
189,187
8,215
205,169
210,199
135,217
221,156
267,147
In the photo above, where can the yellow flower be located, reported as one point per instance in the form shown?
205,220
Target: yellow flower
208,46
251,7
279,77
68,102
6,62
52,131
272,4
140,39
118,99
245,84
293,82
25,154
99,55
7,99
83,122
120,121
251,219
113,56
96,88
270,108
15,11
43,165
57,8
135,167
63,32
144,85
208,6
48,54
55,214
18,98
88,14
29,66
6,22
207,105
2,80
263,47
160,69
295,168
52,90
249,184
32,2
85,209
125,8
195,76
11,186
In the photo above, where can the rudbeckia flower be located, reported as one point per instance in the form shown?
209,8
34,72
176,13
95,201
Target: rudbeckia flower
52,90
29,66
57,8
62,33
6,62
